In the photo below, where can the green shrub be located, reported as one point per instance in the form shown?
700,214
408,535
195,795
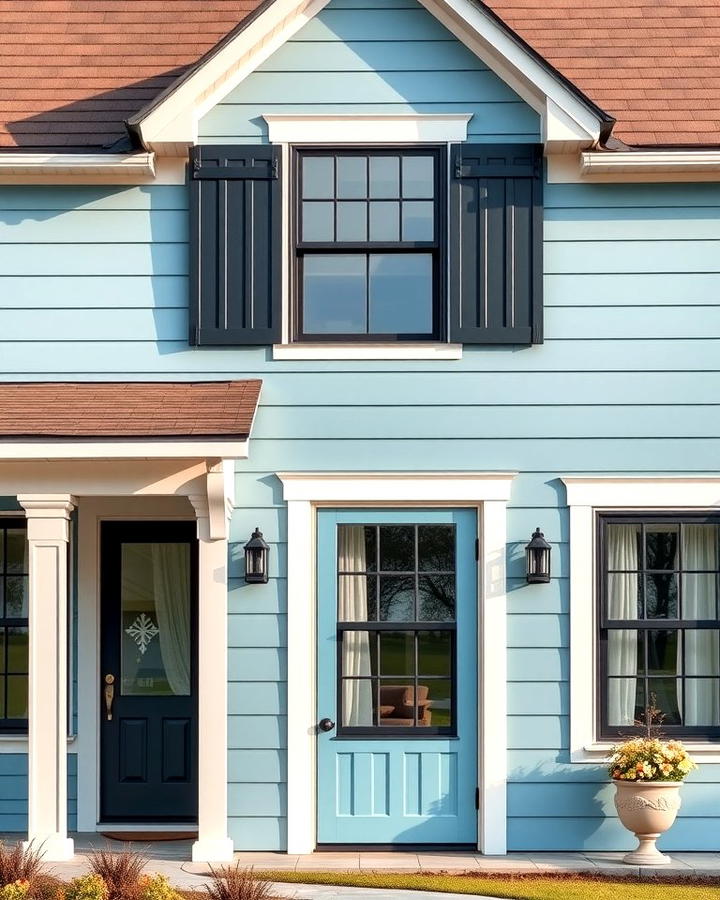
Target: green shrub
87,887
16,890
156,887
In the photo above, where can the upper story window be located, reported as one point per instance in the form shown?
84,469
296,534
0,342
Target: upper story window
367,244
659,623
379,245
13,625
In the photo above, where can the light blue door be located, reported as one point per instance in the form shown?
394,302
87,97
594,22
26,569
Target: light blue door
397,676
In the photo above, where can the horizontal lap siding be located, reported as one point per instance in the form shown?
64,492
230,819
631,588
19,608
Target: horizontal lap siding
14,792
372,58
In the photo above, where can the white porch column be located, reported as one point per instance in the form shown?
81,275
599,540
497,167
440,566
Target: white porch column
213,844
48,533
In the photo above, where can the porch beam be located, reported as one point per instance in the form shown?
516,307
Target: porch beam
48,535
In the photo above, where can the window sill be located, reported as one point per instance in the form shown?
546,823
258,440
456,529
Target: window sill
599,751
359,351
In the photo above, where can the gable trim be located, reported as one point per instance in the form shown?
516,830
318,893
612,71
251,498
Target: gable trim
367,129
570,121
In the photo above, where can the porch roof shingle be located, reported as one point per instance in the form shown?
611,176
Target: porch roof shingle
128,409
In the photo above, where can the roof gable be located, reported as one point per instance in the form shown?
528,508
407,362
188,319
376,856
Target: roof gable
569,120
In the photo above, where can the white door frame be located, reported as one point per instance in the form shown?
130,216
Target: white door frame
305,492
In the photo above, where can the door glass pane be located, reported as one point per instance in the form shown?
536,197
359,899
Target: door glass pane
318,177
438,710
434,653
358,701
397,703
397,548
397,653
351,176
357,598
155,619
397,598
436,548
436,598
334,294
400,293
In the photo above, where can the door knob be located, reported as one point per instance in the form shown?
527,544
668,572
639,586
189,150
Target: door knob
326,724
109,692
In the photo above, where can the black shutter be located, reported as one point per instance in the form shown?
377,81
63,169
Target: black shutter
496,244
235,245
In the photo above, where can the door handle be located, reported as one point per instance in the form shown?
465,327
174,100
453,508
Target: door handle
109,692
326,724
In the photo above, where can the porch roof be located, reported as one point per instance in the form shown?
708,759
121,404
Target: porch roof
128,409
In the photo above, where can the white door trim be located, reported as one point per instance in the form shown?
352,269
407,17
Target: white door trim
489,493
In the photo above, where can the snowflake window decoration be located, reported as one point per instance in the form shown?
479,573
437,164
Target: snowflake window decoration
142,631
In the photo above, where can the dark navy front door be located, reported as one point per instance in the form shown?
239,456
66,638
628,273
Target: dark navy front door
148,689
397,676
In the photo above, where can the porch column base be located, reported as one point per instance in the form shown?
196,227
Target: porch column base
213,850
52,847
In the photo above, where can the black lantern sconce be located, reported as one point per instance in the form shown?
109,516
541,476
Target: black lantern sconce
537,559
256,559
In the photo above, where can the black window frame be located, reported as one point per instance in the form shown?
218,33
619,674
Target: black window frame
437,248
604,624
8,725
375,628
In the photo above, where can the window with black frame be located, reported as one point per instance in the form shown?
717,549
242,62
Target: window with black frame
368,244
659,627
396,629
13,625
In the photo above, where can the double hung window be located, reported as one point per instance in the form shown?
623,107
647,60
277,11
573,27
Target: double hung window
368,245
659,624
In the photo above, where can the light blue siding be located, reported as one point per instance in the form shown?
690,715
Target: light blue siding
372,58
14,792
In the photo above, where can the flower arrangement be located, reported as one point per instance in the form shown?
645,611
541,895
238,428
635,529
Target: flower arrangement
650,759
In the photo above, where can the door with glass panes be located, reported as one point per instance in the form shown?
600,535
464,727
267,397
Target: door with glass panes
397,676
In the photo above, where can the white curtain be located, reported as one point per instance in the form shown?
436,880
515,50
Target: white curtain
622,604
171,585
353,607
701,655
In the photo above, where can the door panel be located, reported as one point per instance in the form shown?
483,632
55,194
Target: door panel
397,675
148,737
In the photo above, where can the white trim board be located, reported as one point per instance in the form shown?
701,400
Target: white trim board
586,496
171,125
79,448
618,167
304,493
367,129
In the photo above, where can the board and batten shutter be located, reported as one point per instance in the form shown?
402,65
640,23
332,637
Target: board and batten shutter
496,244
235,245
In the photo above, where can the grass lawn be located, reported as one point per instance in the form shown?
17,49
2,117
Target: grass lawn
520,887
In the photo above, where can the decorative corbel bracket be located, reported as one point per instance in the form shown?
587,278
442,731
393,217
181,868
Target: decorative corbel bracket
216,504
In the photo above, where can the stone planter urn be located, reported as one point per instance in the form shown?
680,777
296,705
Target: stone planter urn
647,809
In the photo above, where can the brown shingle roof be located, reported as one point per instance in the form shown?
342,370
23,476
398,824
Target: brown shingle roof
128,409
71,71
652,64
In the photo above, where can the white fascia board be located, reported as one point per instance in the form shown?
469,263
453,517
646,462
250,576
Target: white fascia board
367,129
144,449
172,125
566,120
649,161
105,165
